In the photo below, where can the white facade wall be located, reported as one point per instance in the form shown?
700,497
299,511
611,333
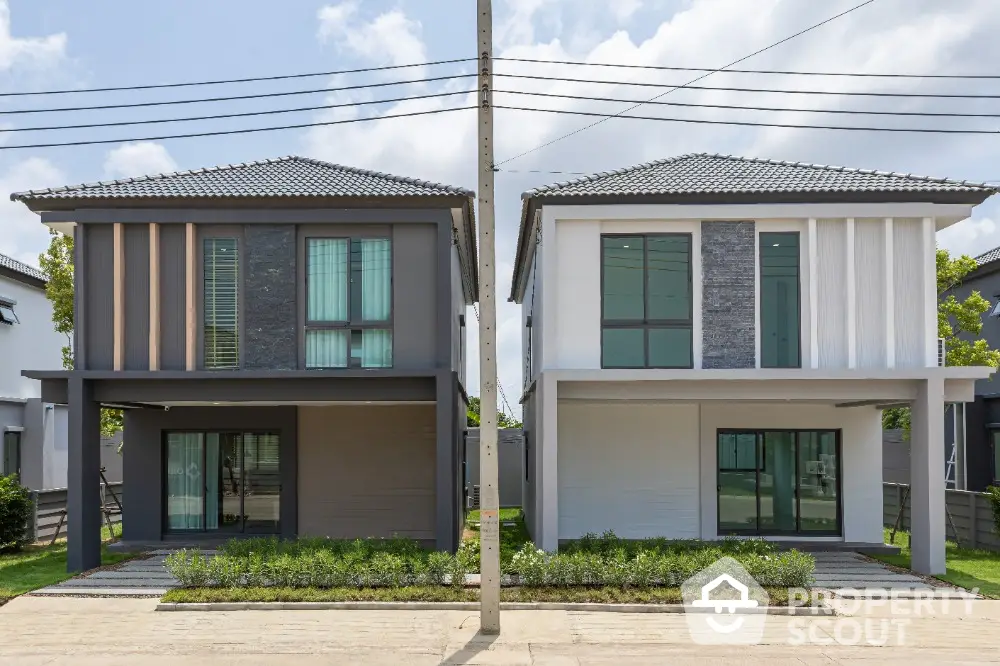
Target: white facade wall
854,272
647,470
34,343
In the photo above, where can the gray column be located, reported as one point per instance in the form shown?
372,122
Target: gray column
927,478
83,478
547,444
444,485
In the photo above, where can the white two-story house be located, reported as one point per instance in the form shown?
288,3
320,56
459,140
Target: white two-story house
708,343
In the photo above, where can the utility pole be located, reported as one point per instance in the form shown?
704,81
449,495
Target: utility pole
489,495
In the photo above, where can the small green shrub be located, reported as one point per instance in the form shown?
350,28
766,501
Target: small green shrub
15,512
993,494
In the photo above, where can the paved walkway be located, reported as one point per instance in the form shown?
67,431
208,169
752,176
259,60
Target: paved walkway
852,575
120,632
139,577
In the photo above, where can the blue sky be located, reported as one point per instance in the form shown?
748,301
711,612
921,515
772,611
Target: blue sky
53,44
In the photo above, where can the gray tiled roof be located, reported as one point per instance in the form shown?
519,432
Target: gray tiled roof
20,267
988,257
702,173
282,177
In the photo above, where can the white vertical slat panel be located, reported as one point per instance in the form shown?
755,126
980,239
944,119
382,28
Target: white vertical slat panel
930,295
908,295
890,297
812,272
851,288
869,273
831,288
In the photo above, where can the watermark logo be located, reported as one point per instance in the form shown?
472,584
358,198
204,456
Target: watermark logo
724,605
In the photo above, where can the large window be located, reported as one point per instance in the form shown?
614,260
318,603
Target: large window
222,482
221,302
779,482
646,301
779,300
348,302
12,453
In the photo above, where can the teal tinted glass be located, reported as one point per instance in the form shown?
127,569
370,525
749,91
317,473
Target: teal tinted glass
624,293
623,347
670,347
779,300
668,276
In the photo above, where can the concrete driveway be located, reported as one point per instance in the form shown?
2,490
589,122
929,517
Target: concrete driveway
111,632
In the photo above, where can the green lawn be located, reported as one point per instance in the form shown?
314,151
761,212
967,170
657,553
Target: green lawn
39,566
966,568
505,514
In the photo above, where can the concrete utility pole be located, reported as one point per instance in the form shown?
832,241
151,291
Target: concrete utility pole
489,495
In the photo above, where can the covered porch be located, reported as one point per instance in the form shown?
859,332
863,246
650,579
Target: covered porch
791,455
214,455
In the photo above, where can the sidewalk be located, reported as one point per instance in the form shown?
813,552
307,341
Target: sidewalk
113,632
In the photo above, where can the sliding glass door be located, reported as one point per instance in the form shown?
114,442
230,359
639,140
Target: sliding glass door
222,482
773,482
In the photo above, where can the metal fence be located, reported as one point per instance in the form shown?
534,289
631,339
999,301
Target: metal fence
971,523
50,511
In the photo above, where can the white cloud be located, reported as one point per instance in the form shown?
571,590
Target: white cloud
389,39
37,51
972,237
138,159
22,235
893,35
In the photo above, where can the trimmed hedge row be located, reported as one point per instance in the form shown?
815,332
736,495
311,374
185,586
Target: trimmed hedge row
592,561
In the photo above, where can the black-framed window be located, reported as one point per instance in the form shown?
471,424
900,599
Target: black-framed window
776,481
348,302
221,303
780,311
646,301
12,453
7,314
221,481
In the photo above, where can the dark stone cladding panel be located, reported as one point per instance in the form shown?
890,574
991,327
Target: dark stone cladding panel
728,295
269,319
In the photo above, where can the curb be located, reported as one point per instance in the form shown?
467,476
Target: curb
466,606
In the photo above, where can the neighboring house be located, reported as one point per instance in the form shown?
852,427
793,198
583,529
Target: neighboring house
709,339
978,462
287,339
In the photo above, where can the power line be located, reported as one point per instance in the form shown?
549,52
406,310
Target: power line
499,385
235,115
230,98
694,80
608,116
755,71
783,91
238,131
226,81
740,107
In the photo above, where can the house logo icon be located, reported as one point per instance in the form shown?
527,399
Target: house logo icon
723,604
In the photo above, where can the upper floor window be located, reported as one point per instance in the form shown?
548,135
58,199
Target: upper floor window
11,453
646,302
7,314
779,300
348,303
221,319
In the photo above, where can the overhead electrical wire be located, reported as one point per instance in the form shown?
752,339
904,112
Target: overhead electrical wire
244,114
250,130
743,107
751,71
783,91
229,98
694,80
227,81
701,121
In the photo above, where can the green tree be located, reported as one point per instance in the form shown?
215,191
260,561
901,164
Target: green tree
959,323
57,264
503,421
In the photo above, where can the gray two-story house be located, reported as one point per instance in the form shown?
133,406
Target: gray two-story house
286,338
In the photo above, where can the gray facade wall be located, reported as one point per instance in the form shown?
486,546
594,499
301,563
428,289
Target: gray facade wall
173,297
143,458
414,295
728,295
367,471
98,280
269,322
510,445
136,297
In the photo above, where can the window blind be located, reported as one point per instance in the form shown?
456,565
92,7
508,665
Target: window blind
221,303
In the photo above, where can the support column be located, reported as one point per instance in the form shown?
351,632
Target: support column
444,484
547,492
84,478
927,478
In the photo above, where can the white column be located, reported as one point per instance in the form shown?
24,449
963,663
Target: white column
852,327
547,492
927,478
930,292
813,271
890,297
